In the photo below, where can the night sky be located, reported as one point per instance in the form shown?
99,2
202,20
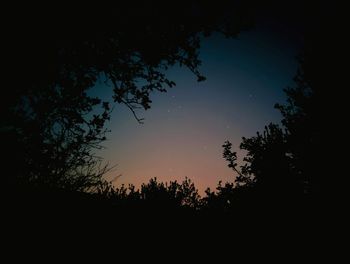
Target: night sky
185,128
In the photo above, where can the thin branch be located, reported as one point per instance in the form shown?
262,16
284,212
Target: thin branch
239,173
139,120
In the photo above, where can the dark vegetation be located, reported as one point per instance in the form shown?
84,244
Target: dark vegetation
50,127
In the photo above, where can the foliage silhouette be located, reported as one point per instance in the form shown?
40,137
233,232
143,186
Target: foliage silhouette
287,162
47,109
50,124
268,163
158,196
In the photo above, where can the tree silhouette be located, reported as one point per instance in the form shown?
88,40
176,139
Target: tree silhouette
160,195
51,126
267,173
222,200
284,161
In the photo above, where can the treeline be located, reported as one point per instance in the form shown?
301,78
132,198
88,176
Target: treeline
51,127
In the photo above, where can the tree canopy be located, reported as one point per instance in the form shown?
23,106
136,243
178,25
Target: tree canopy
51,126
288,160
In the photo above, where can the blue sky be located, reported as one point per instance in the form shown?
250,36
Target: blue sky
185,127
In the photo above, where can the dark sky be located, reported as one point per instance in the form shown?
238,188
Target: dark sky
185,128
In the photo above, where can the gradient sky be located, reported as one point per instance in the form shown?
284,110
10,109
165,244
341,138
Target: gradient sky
185,128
